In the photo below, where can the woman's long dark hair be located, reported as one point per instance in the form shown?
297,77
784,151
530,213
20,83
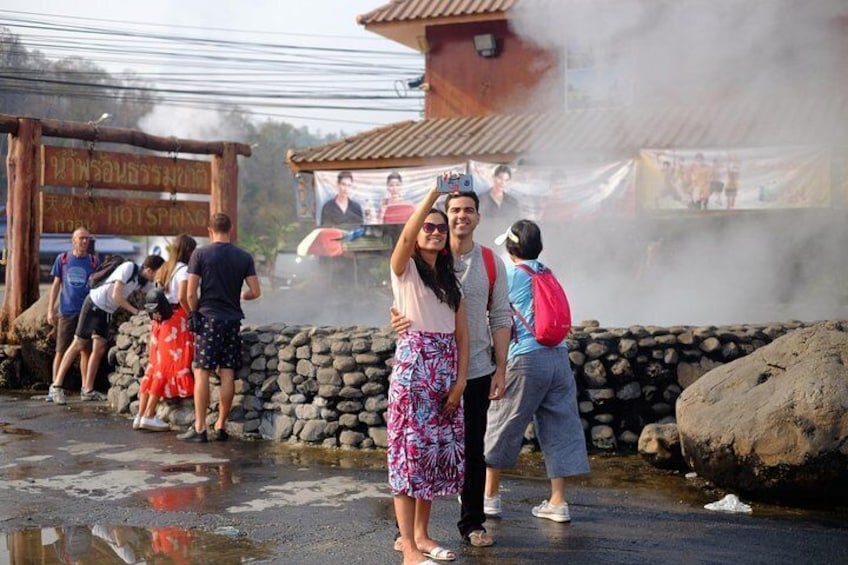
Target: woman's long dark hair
441,280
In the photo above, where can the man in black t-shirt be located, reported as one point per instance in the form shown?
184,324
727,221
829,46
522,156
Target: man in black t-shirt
219,270
497,205
341,210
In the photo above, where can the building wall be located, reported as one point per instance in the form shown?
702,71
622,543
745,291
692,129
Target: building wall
462,83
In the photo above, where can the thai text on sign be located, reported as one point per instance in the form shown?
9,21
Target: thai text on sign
62,213
66,166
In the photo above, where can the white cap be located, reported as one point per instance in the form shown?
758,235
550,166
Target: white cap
507,234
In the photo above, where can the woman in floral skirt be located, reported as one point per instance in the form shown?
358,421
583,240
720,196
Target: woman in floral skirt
425,427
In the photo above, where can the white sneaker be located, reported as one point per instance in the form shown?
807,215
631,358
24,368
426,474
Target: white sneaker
492,506
93,396
57,394
137,422
558,513
154,424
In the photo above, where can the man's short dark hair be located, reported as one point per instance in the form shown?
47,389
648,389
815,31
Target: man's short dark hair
344,175
529,244
470,194
220,223
503,169
153,262
393,175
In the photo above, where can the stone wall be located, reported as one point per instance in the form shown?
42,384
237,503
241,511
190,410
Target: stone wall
328,385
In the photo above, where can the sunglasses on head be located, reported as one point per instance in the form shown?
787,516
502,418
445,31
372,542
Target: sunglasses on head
430,227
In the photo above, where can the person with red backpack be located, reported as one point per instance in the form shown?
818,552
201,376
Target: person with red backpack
540,384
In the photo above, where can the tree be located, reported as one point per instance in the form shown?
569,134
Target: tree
268,220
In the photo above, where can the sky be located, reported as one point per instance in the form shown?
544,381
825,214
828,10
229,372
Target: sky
275,30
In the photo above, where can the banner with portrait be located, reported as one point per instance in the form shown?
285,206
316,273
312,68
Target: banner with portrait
724,179
376,196
562,192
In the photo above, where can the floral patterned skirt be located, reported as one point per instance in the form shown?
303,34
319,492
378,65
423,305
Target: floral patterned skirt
171,351
426,452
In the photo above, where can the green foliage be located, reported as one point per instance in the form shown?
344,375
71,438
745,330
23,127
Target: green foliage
267,215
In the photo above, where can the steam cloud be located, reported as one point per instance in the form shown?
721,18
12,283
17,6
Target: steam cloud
748,267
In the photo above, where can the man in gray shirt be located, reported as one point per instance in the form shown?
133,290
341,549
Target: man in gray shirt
488,325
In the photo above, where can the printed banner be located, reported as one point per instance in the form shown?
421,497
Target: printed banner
554,193
725,179
374,196
304,196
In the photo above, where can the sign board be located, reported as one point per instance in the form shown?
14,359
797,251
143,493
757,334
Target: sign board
67,166
62,213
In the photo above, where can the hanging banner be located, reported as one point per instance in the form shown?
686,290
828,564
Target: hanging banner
554,193
726,179
374,196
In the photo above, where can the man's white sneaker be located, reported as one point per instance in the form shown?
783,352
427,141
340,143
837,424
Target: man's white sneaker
557,513
154,424
93,396
57,395
492,506
137,422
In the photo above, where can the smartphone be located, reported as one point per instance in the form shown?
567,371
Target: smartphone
455,183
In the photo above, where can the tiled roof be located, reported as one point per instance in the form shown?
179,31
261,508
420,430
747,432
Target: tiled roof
546,136
435,138
409,10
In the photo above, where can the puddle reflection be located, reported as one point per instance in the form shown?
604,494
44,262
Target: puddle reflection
123,544
192,497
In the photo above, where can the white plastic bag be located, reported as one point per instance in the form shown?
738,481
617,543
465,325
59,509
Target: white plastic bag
729,503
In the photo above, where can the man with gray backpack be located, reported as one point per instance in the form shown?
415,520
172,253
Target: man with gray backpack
69,290
111,285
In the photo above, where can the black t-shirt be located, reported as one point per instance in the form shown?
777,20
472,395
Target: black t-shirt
509,210
332,215
222,268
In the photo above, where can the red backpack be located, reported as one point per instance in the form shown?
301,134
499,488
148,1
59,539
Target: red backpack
491,271
551,312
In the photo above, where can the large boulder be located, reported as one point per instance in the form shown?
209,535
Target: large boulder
774,424
38,345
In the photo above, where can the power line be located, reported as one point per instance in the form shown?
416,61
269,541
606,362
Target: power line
262,74
199,28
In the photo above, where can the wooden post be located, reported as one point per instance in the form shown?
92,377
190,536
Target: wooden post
22,229
224,196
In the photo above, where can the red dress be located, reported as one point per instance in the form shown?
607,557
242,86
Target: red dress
171,349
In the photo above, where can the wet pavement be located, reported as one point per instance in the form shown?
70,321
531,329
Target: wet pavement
77,484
